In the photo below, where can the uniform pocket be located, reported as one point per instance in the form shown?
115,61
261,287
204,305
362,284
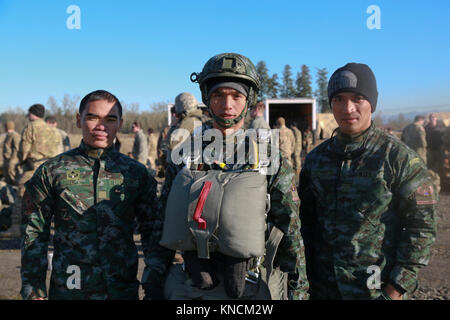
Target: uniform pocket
74,201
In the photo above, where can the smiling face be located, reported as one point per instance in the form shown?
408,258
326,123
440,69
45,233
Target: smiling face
352,112
227,103
100,121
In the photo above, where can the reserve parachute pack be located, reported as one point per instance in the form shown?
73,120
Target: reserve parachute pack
217,211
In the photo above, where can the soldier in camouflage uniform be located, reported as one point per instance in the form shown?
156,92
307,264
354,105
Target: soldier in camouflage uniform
367,202
10,153
39,142
229,84
190,117
414,136
152,143
287,139
307,140
163,143
94,194
140,147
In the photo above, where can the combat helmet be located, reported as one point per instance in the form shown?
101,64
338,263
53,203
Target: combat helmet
185,102
230,67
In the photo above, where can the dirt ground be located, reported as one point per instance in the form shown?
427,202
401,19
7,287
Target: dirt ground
434,280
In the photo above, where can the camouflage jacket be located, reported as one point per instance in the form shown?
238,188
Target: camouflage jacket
368,216
284,212
39,141
95,197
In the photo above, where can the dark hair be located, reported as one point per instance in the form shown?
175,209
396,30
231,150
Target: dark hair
50,119
99,95
136,124
418,118
150,130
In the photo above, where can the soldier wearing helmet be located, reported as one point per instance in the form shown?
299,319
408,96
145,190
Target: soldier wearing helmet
189,115
238,229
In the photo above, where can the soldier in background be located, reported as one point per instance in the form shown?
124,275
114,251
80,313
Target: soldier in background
257,114
287,139
94,194
39,142
11,146
190,117
307,140
368,204
434,133
152,143
163,143
414,136
140,148
297,150
65,140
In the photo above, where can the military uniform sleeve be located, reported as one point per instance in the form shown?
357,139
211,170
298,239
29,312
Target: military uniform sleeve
284,214
150,225
36,219
25,143
416,206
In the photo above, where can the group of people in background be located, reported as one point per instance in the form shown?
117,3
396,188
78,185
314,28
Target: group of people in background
428,141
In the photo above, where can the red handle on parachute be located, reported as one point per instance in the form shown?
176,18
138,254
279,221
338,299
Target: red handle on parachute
200,203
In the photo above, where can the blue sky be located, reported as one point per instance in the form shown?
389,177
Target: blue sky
144,51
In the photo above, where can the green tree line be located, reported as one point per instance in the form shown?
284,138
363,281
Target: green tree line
288,87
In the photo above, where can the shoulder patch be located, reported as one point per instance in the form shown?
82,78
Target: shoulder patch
426,194
414,161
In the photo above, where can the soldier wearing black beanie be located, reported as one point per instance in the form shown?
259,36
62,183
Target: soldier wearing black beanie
38,110
357,78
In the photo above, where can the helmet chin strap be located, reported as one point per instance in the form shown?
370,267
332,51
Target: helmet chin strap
228,123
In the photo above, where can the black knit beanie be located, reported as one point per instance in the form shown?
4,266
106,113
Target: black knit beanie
37,110
357,78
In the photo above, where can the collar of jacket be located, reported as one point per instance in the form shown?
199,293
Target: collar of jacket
96,153
347,143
